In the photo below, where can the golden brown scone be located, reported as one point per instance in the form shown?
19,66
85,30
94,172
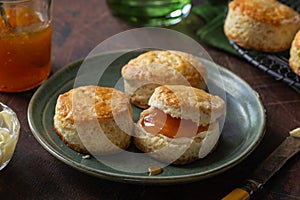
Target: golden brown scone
186,102
149,70
181,125
263,25
294,60
94,119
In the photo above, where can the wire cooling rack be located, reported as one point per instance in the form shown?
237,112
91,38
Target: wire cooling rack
274,64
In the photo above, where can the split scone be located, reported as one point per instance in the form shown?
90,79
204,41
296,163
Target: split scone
294,60
263,25
94,119
154,68
181,125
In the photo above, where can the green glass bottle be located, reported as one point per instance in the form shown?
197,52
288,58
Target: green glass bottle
150,12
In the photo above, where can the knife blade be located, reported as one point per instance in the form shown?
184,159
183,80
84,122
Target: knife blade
287,149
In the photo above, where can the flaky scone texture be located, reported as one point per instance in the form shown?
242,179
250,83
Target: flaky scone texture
151,69
294,60
189,103
264,25
178,151
94,119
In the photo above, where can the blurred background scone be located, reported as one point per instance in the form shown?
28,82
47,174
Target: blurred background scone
94,119
294,60
263,25
181,124
149,70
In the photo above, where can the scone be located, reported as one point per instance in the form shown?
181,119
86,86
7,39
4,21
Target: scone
263,25
94,119
294,60
181,125
154,68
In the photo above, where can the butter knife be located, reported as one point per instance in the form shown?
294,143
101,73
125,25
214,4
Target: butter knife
288,148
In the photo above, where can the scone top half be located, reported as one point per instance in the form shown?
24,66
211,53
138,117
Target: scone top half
189,103
264,25
154,68
267,11
92,102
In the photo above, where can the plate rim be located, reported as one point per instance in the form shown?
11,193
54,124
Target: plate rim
139,179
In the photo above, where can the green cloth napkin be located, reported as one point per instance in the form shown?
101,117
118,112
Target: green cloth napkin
213,14
296,89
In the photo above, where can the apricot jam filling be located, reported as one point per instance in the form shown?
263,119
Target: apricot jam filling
155,121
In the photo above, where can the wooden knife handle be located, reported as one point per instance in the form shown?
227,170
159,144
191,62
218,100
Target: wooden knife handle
237,194
249,187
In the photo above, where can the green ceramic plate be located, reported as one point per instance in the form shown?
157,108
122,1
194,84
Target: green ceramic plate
243,128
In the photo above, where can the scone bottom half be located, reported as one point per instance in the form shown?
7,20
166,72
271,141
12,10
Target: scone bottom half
181,125
161,67
94,119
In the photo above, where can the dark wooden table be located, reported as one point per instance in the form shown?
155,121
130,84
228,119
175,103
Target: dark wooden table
35,174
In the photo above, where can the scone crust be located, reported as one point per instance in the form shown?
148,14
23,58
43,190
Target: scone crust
177,151
263,25
294,59
186,102
154,68
196,64
267,11
86,108
140,68
105,102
